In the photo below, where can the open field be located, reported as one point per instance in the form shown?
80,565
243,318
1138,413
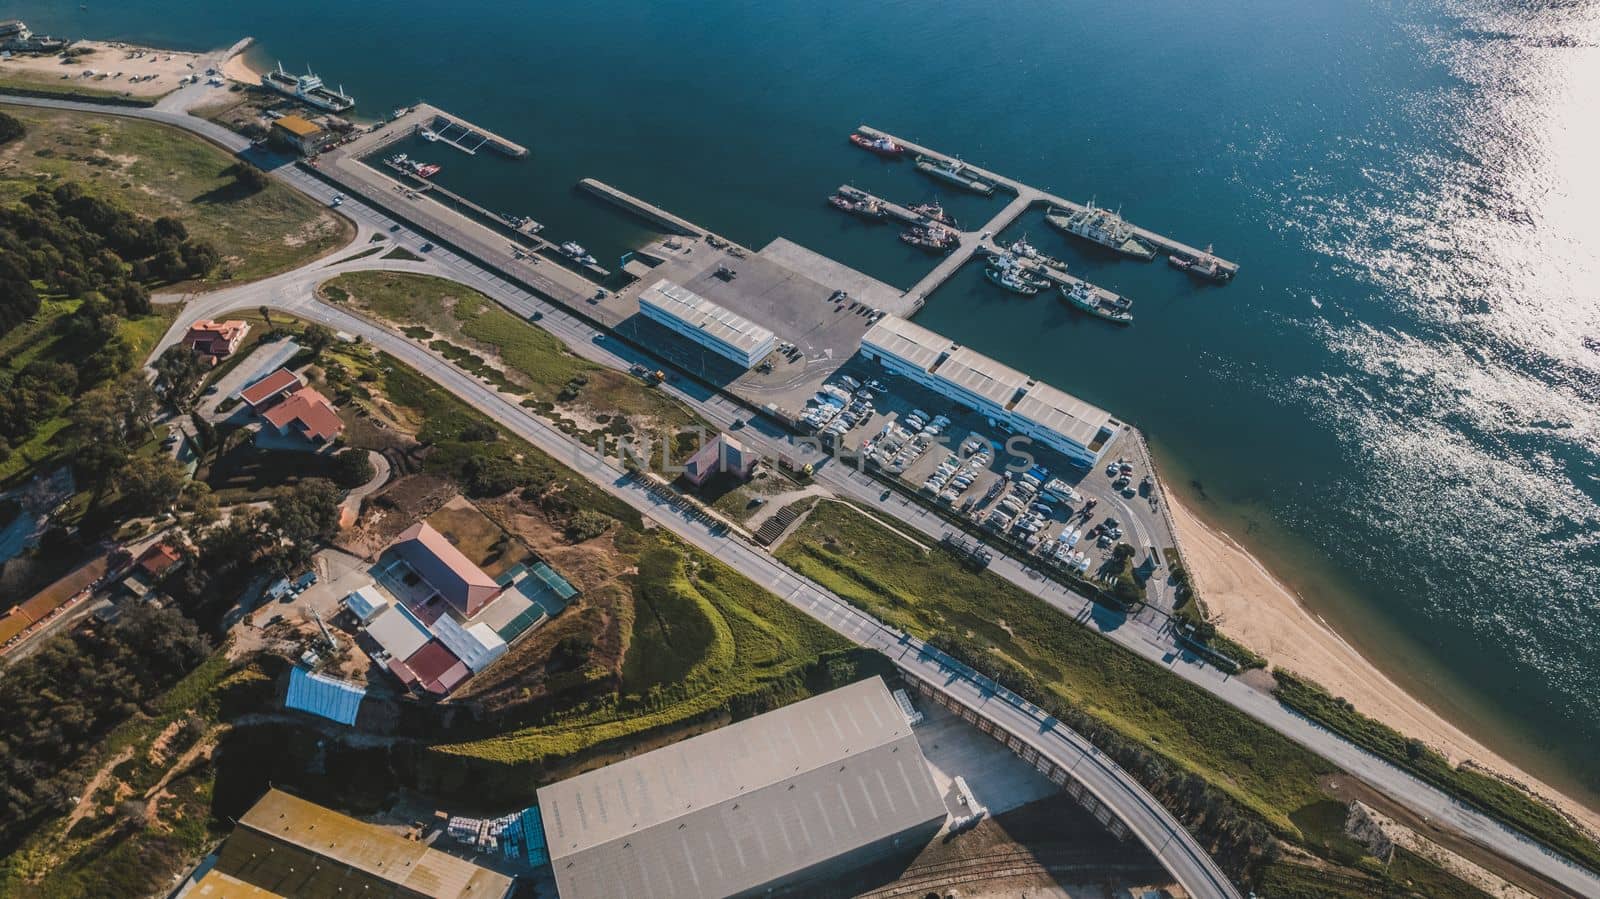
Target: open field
515,354
479,539
154,171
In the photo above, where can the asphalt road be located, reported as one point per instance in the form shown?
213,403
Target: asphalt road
1146,634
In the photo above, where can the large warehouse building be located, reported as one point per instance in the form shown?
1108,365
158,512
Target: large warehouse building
728,335
810,790
1032,408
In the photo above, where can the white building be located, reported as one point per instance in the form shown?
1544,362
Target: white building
704,322
1032,408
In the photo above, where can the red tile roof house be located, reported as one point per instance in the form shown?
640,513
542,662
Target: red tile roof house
218,339
292,408
157,559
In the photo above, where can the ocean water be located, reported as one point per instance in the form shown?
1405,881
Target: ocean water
1397,404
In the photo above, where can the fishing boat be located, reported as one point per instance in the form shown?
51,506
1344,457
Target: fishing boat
1101,226
865,207
934,238
934,212
1007,271
882,146
1204,266
954,171
1086,299
1024,250
575,251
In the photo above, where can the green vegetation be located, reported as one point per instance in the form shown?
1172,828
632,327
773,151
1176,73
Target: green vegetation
1495,797
705,643
465,326
67,90
1408,876
154,171
930,594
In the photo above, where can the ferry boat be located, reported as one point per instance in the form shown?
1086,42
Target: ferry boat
954,171
414,167
864,207
1203,266
307,88
934,238
1085,298
575,251
1102,226
879,145
934,212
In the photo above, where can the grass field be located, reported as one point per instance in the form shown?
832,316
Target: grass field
482,541
155,170
535,360
929,594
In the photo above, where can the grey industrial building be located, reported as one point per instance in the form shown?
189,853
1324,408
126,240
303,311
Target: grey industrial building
811,790
731,336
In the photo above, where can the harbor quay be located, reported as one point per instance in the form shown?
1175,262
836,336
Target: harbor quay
1032,196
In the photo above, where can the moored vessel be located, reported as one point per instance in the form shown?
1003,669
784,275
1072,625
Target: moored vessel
1204,266
933,238
1007,272
575,251
882,146
1086,299
1101,226
866,207
307,88
954,171
934,212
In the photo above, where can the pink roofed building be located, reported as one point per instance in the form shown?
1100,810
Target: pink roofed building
436,560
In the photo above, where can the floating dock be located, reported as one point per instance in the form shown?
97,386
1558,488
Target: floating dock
461,134
1032,196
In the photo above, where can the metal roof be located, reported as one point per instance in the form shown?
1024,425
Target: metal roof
398,632
907,341
980,375
446,568
270,386
743,805
363,855
1061,412
319,694
698,312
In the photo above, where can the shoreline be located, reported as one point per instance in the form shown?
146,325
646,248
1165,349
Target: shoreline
237,68
1251,605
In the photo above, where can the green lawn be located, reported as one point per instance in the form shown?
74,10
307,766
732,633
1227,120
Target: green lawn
929,594
155,170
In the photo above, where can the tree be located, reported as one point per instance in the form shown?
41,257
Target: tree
180,370
352,468
301,518
266,314
250,177
151,484
10,128
316,338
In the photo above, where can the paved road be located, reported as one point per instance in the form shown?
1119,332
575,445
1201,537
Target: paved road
1146,633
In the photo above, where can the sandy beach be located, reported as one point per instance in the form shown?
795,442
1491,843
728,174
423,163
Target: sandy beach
236,68
1258,610
111,66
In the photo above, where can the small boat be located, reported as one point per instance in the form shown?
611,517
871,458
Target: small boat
575,251
879,145
429,135
413,167
935,212
934,238
1024,250
1085,298
1006,272
864,207
1204,266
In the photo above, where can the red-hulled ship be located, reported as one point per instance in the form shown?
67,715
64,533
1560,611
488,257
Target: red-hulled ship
879,145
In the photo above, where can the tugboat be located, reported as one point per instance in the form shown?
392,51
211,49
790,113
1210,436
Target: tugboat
865,207
934,212
933,238
954,171
1203,266
1083,297
1102,226
575,251
879,145
1004,271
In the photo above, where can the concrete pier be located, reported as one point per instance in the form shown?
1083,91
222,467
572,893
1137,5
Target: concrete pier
648,211
1034,197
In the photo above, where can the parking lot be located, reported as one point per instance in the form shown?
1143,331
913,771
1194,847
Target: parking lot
1068,518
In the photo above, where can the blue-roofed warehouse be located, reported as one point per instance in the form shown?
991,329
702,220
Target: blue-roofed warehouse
319,694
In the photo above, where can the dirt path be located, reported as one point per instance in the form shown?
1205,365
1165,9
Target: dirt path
86,800
777,501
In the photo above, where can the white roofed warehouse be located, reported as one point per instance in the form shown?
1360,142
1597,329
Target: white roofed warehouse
811,790
730,336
